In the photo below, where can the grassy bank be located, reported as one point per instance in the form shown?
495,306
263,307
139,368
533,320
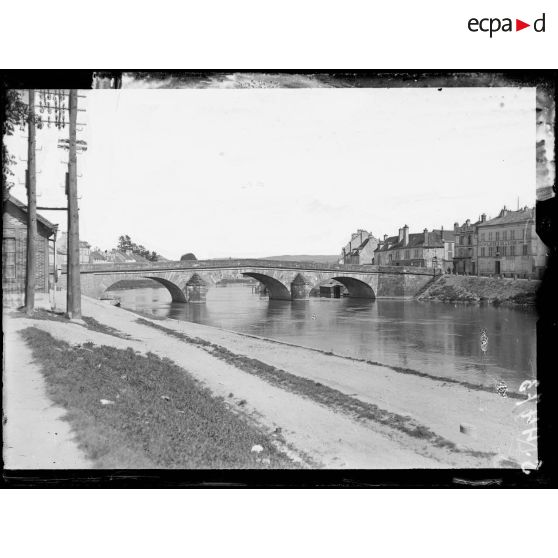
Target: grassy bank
88,322
325,395
462,288
130,410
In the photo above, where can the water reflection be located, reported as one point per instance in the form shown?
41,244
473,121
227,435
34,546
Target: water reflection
439,339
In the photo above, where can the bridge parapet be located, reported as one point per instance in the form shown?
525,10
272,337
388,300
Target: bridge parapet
257,263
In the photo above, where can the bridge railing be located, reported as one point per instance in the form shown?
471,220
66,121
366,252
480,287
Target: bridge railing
193,265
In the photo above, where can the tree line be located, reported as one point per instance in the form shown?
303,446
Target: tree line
125,243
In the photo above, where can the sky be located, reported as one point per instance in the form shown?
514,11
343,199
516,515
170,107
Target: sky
264,172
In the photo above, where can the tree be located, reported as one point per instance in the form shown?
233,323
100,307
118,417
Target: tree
16,115
188,256
124,243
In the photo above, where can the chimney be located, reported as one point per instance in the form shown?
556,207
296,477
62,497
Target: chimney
385,237
468,222
483,217
455,226
406,235
425,236
400,235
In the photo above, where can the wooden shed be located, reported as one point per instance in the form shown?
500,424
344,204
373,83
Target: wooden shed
14,251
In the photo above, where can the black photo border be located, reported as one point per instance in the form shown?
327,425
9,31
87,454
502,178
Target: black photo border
547,326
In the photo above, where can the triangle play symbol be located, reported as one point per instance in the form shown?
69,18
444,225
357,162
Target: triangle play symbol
519,25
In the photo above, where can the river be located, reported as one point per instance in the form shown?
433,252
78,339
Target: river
437,338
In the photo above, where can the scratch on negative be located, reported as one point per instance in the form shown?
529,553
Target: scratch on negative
484,482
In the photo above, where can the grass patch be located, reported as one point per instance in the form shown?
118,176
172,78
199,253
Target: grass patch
157,415
94,325
90,323
322,394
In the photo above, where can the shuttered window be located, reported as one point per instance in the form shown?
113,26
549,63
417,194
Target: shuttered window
8,258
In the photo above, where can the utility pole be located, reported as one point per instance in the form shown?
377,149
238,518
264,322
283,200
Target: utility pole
31,184
73,300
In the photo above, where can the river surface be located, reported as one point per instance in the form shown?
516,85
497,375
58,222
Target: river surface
437,338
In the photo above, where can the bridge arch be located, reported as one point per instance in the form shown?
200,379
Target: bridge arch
177,294
175,291
356,287
276,289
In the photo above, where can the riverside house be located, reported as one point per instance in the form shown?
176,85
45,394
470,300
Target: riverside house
508,245
427,249
360,248
14,252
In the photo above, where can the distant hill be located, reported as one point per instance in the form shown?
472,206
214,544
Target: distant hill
305,258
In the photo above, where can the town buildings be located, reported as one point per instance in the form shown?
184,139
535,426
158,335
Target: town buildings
466,240
360,248
433,249
508,245
14,252
62,251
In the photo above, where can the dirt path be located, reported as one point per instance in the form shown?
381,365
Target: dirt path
35,434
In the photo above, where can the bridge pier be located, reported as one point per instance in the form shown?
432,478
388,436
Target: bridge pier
196,289
300,290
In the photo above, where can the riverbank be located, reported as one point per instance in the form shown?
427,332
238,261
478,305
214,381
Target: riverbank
491,290
331,411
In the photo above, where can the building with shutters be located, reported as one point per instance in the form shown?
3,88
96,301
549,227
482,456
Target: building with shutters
426,249
508,245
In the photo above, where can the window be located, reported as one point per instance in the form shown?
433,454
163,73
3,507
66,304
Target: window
490,236
491,250
482,251
8,258
417,254
505,235
391,257
497,235
512,234
525,252
407,254
512,250
469,240
450,254
504,250
482,236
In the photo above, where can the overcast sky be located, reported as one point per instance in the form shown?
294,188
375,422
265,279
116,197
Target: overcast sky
263,172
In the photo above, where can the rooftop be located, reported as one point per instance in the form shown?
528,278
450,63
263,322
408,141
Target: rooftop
434,239
20,205
507,217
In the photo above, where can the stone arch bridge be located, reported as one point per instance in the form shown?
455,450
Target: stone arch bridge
187,281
